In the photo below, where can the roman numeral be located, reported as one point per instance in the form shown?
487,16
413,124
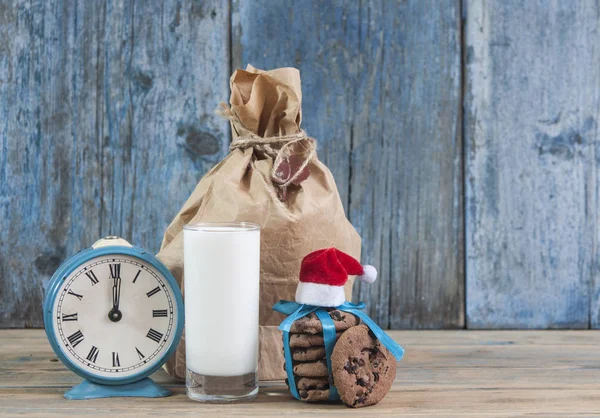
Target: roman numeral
92,277
154,335
116,362
93,354
69,317
159,313
75,338
78,296
115,270
139,353
153,291
137,275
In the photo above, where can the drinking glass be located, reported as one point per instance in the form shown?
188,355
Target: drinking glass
221,276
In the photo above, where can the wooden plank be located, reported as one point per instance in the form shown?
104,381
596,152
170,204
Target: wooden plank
434,359
367,77
531,174
318,38
46,190
107,125
406,183
169,67
444,373
276,403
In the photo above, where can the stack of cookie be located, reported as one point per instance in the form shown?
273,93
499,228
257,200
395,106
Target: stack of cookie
308,353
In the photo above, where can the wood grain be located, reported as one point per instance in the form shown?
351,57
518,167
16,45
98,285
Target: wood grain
387,119
107,125
406,183
444,374
318,38
531,163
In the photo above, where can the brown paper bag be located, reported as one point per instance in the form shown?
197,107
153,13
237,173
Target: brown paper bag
272,177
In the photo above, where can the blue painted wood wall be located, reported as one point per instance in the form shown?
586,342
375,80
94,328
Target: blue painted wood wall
463,136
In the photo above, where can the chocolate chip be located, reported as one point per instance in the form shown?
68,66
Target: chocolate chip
336,315
350,366
372,335
361,382
375,376
303,394
373,353
361,362
361,399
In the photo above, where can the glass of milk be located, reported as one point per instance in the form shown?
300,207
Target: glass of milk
221,276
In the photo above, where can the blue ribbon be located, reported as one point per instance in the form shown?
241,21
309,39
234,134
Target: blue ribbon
295,311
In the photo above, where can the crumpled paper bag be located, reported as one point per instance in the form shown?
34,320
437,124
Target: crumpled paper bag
280,185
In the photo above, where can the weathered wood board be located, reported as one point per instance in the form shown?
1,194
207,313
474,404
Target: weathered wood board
443,374
318,38
531,129
106,125
406,183
381,93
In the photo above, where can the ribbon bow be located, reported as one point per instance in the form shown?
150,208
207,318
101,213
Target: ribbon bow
296,311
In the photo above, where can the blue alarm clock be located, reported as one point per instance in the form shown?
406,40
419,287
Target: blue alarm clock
113,314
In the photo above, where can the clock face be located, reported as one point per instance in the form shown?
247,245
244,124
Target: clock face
115,316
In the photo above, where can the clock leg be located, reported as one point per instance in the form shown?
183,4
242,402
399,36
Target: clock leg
144,388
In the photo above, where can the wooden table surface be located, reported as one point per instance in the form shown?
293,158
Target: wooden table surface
443,374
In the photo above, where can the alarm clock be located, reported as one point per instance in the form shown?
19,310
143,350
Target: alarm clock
113,314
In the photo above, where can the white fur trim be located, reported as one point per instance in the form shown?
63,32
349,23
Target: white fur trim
369,274
320,294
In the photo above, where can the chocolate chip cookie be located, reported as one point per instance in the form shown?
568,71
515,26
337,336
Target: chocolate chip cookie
308,354
312,389
310,324
363,369
311,369
307,383
308,340
313,395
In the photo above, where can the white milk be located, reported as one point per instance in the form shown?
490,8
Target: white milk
221,276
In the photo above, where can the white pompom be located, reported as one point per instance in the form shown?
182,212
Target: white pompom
369,274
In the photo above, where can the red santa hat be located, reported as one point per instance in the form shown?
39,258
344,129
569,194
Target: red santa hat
324,273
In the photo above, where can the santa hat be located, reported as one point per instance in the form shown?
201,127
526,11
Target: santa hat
324,273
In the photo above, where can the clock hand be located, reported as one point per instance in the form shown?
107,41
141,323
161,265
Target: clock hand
116,293
115,314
